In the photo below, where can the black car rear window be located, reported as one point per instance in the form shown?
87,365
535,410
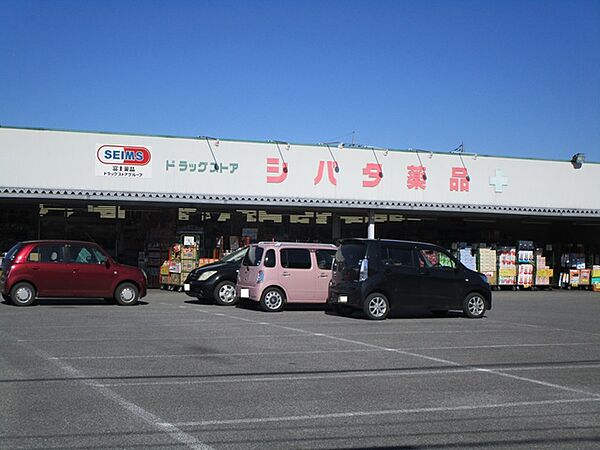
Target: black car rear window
348,255
253,256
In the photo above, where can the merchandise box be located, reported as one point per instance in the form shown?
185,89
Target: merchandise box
164,268
188,252
574,276
491,276
175,278
584,277
174,267
187,265
204,261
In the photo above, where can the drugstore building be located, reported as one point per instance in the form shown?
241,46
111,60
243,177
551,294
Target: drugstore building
136,195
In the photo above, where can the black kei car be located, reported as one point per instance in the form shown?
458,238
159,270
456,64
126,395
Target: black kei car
379,275
216,280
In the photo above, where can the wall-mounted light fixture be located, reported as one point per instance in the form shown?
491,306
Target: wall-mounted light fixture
460,150
378,164
287,146
423,175
340,145
217,143
577,160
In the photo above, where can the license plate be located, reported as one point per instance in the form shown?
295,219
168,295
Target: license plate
186,287
244,293
343,299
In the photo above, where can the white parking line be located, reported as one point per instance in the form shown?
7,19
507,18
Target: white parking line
304,333
156,422
429,358
342,415
542,327
308,352
185,338
392,373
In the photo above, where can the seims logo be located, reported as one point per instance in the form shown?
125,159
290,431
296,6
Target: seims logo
123,155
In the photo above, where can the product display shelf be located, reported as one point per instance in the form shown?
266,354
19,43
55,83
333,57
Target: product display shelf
525,265
596,278
174,271
543,273
574,274
507,267
487,265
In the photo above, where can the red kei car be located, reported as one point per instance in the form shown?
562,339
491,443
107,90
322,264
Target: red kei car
67,269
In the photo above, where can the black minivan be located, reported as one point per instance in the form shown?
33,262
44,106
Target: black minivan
379,275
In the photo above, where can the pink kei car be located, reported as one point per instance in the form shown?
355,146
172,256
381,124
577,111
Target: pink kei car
276,273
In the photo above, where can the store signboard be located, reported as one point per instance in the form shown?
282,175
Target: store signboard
173,166
123,161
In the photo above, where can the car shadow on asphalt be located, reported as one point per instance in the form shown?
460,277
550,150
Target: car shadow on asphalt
359,315
73,302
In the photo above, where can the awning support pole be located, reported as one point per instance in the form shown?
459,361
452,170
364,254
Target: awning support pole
371,227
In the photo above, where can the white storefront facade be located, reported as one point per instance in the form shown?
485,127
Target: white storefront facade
285,190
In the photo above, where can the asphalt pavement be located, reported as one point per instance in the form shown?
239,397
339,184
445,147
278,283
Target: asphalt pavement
173,372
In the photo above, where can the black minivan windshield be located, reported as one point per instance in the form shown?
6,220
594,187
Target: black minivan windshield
253,256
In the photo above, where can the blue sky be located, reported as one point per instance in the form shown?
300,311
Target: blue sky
515,78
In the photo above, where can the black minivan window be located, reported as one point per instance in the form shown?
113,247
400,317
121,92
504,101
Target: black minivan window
397,256
435,258
253,256
325,258
295,258
348,256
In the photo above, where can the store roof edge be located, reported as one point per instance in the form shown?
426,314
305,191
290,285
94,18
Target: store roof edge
250,141
91,195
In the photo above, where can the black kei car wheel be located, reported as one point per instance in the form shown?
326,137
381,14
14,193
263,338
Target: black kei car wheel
127,294
474,305
376,306
22,294
224,294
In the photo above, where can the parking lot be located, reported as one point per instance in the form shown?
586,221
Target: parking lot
176,373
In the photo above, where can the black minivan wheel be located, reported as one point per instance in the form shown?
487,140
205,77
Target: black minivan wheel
272,300
22,294
376,306
224,293
474,305
127,294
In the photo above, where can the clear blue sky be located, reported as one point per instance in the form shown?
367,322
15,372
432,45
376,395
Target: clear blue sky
518,78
